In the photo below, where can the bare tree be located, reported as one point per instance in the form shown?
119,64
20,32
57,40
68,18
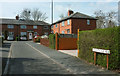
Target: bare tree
106,20
26,14
38,15
62,16
111,19
100,15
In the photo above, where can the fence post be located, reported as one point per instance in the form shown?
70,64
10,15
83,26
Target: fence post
56,35
78,42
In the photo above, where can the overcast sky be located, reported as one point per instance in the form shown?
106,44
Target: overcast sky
10,8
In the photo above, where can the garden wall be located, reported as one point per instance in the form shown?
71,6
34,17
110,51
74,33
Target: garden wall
44,41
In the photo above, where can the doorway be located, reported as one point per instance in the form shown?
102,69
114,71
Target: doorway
30,36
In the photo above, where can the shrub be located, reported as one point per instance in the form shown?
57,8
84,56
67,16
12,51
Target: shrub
37,39
108,38
52,41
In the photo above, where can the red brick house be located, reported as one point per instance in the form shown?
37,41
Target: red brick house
72,22
20,27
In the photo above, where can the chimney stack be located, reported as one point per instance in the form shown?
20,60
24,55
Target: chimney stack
17,17
70,12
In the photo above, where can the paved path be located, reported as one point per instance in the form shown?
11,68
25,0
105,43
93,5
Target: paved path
70,52
32,58
4,51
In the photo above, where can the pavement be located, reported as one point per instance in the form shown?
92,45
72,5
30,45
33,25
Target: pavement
29,58
70,52
4,51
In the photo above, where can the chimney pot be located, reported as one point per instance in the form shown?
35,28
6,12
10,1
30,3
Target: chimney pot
70,12
17,17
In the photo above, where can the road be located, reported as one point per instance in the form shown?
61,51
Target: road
31,58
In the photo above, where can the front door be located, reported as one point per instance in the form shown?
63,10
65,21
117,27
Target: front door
30,35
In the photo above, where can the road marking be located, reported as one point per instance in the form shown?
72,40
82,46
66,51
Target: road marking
70,70
8,60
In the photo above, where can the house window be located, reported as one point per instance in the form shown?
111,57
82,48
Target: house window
88,22
68,22
56,25
45,27
11,26
35,27
23,33
52,26
46,33
63,32
11,33
63,23
68,31
35,33
23,26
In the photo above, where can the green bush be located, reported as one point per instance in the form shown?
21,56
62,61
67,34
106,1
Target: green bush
108,38
37,39
52,41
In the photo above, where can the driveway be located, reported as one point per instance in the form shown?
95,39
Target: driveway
31,58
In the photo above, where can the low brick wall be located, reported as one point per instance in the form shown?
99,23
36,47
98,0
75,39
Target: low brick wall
44,41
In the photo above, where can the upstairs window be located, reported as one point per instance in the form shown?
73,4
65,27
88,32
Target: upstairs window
52,26
35,27
56,25
23,27
11,26
63,23
68,22
88,22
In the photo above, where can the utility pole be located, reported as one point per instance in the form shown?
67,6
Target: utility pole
52,12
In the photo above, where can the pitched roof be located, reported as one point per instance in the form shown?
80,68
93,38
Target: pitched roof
76,15
22,22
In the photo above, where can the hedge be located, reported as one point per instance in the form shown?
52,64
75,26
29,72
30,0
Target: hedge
52,41
108,38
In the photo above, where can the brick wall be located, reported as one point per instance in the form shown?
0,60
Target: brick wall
17,30
74,25
44,41
82,25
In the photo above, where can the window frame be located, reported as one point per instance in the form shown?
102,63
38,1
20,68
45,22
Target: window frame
23,34
68,22
56,25
11,33
9,26
88,22
63,32
23,25
34,27
63,23
67,31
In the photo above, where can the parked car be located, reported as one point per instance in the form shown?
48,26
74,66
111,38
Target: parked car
23,38
10,38
44,36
